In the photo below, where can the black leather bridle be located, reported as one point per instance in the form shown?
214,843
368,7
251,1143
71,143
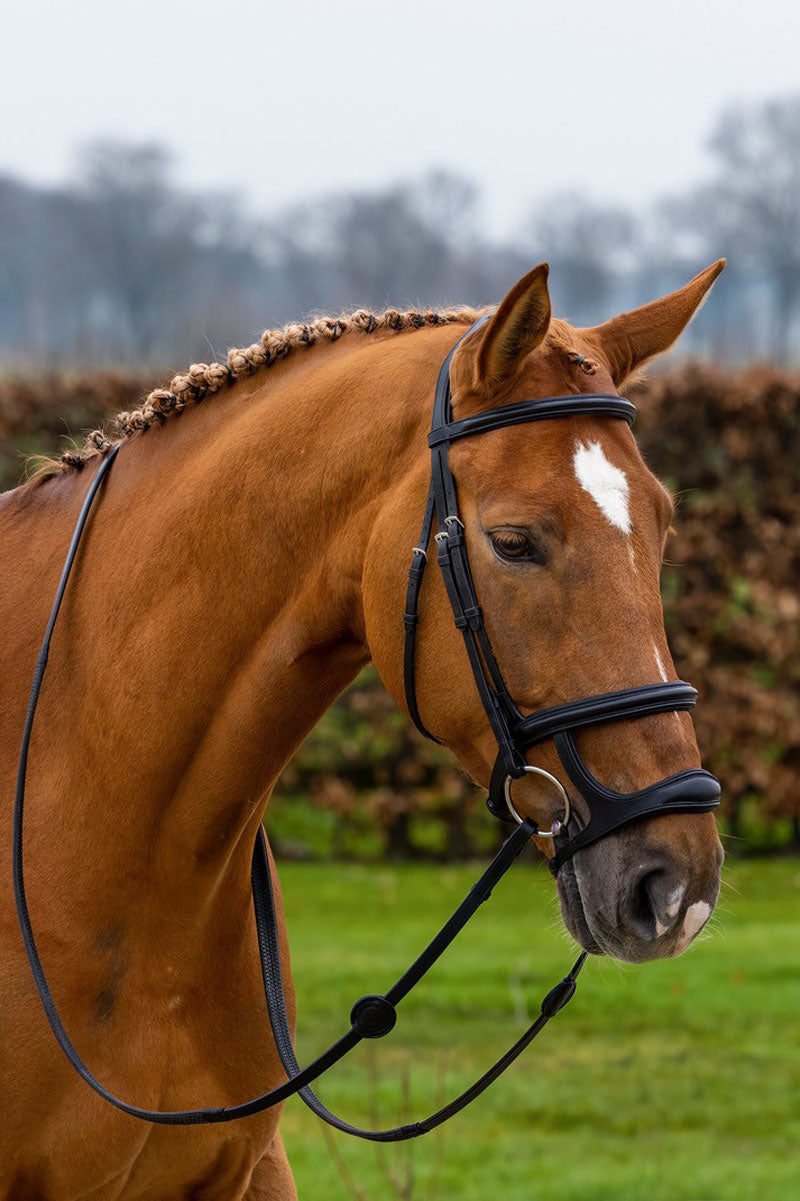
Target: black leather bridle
692,791
374,1015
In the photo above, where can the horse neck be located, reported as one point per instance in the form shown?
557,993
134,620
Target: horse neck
215,610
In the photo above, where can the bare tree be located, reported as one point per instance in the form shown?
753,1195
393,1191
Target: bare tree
170,268
405,244
591,248
138,232
753,203
123,261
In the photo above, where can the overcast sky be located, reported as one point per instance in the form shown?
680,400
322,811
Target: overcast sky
288,100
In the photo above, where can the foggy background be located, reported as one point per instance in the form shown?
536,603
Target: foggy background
182,178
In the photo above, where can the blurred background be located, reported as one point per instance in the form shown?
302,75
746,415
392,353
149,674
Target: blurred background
176,177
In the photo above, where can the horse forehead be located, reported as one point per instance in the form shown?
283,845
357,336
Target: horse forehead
568,460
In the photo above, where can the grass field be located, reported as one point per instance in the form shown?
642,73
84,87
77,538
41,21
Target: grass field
676,1081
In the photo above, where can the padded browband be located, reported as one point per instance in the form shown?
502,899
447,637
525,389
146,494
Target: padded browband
585,404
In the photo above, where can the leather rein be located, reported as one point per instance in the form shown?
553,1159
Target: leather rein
374,1015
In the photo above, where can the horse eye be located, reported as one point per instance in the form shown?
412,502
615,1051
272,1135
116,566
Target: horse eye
517,546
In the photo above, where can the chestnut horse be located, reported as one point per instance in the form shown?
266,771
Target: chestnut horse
246,561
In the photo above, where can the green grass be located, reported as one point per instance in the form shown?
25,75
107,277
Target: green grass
675,1081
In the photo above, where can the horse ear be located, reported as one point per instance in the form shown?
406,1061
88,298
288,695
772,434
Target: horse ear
517,328
629,340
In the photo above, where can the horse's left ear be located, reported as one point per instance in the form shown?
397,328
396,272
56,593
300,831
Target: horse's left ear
629,340
516,329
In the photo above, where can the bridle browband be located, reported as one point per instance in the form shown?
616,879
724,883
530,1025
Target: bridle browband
374,1015
691,791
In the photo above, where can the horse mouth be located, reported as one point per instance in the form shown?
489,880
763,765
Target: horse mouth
573,912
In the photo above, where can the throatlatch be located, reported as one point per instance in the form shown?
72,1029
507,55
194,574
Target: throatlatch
691,791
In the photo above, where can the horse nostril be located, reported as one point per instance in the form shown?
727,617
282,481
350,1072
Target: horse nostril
656,902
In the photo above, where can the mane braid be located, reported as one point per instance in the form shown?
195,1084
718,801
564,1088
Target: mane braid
204,379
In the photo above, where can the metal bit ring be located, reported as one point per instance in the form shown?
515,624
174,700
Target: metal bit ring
559,823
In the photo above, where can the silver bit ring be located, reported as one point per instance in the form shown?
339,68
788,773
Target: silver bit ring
559,823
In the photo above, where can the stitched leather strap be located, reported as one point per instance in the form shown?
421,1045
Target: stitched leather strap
416,574
608,706
269,949
599,404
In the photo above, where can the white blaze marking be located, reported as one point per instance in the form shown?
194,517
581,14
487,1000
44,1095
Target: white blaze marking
604,482
659,664
664,677
696,917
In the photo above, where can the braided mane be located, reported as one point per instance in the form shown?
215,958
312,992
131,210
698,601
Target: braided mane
204,379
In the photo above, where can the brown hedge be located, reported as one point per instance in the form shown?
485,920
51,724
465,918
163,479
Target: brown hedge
729,445
42,414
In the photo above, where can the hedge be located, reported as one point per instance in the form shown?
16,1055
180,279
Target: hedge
728,444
